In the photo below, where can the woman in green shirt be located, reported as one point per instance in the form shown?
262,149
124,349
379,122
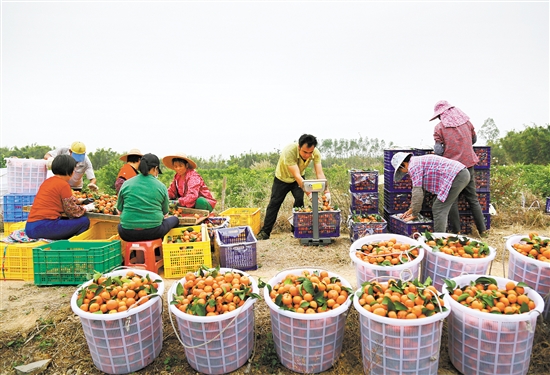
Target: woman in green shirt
143,203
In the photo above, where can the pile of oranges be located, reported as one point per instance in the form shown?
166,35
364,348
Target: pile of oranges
188,235
387,253
309,292
367,218
484,295
210,292
458,246
114,294
534,247
398,299
104,203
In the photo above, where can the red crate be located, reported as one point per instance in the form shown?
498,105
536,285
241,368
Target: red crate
363,181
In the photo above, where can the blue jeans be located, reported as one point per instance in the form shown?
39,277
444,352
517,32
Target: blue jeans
58,229
440,209
470,194
136,235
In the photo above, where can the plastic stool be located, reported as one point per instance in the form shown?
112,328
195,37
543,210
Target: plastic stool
144,255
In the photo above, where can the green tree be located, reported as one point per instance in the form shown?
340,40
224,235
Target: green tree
489,131
529,146
102,157
32,151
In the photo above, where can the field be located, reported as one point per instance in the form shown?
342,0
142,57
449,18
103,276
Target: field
38,323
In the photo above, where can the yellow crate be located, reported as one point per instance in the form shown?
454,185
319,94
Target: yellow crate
99,231
239,217
180,258
10,227
17,263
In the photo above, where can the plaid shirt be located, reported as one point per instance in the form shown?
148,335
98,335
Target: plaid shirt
434,173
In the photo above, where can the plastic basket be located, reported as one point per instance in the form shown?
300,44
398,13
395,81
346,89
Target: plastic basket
408,228
307,343
17,263
214,223
236,248
25,175
127,341
484,343
217,344
484,199
71,263
360,230
396,202
483,179
100,231
13,206
180,258
364,202
400,346
244,216
405,184
363,181
365,271
329,224
484,155
533,272
439,266
11,227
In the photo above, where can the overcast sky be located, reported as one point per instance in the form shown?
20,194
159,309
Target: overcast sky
225,78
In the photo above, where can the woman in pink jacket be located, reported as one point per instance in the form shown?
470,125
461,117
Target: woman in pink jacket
188,187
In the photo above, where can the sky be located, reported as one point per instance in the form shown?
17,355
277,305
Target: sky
222,78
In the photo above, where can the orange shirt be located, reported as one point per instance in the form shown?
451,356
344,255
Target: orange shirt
48,203
127,172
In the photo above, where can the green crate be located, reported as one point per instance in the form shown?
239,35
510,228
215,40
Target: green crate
72,263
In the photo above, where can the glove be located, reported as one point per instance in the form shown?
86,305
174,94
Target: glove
92,187
89,207
49,162
327,196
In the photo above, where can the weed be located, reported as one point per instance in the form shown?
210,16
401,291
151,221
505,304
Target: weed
269,357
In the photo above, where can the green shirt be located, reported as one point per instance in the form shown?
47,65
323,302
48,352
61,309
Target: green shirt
291,156
143,201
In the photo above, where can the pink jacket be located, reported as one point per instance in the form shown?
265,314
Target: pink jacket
187,188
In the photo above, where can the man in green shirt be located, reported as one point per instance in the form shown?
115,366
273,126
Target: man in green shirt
289,177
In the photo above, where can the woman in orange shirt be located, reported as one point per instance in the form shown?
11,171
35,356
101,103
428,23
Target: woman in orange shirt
55,213
129,169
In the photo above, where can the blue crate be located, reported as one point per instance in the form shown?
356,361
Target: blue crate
13,206
237,248
484,199
364,203
483,179
467,223
548,205
363,181
403,185
484,155
406,228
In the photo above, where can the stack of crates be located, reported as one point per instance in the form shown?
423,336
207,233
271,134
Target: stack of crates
363,189
397,197
15,215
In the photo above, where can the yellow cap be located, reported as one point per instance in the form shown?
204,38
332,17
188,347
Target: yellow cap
78,147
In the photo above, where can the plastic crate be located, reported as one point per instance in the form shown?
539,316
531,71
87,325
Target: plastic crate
359,230
405,184
25,175
407,228
99,231
237,248
548,205
483,179
243,217
363,181
10,227
397,202
183,257
363,203
484,155
17,263
214,223
329,224
72,263
467,223
483,198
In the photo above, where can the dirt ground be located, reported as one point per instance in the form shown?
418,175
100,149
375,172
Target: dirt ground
38,323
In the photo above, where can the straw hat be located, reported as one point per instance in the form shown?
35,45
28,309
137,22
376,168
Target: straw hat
133,151
167,160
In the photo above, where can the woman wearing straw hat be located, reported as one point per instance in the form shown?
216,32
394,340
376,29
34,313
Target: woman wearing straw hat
129,169
188,187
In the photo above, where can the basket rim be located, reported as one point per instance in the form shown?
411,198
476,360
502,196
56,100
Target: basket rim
429,250
517,238
385,236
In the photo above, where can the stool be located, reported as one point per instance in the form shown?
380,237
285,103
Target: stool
144,255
